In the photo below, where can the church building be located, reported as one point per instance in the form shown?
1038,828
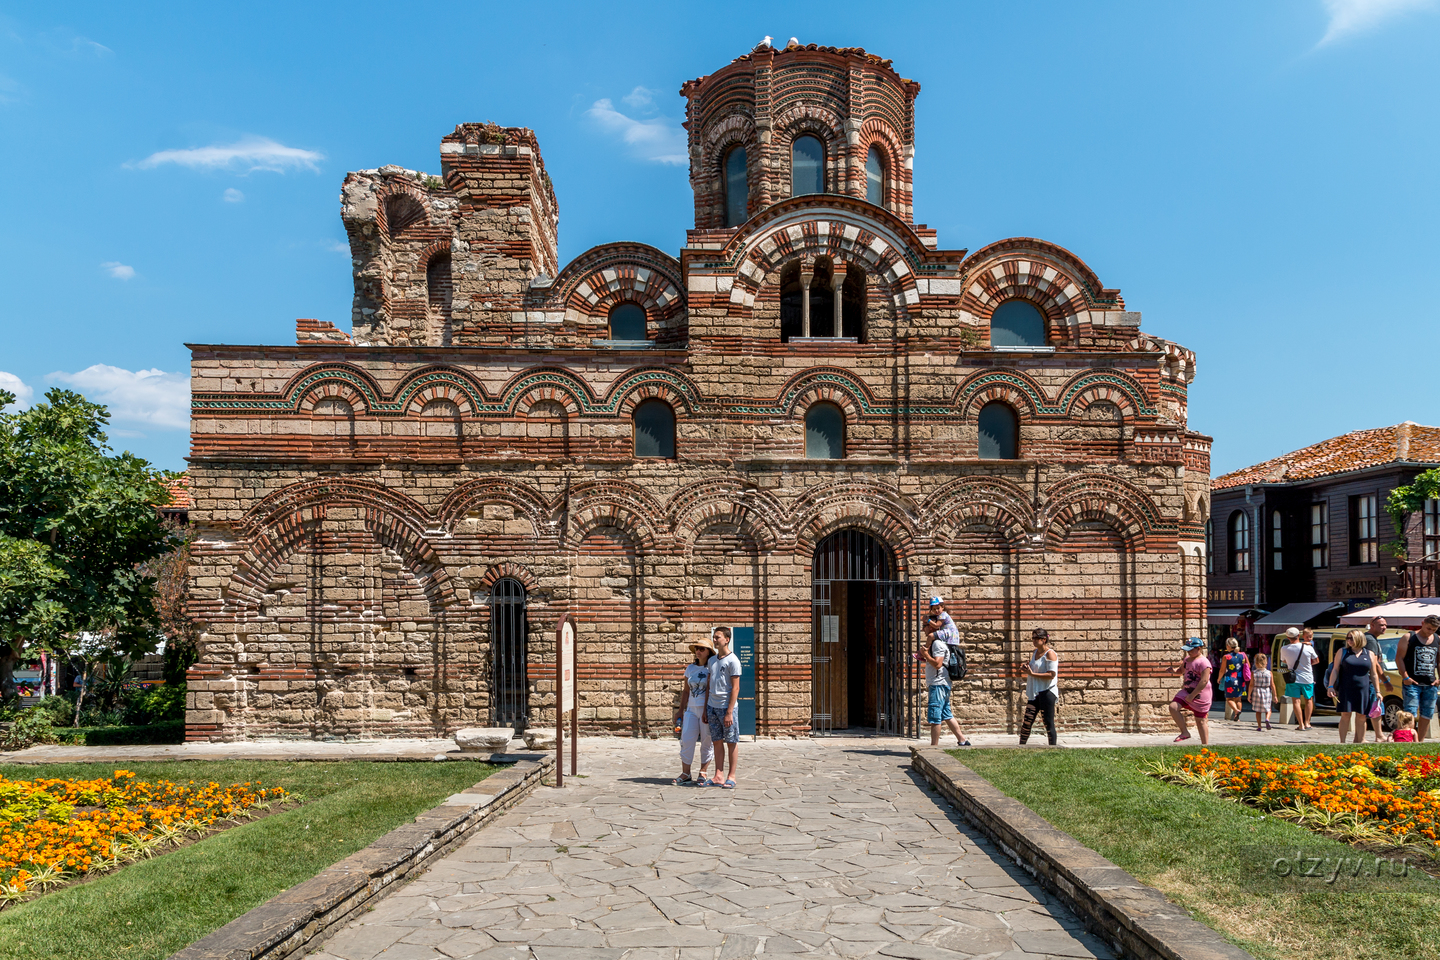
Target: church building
802,425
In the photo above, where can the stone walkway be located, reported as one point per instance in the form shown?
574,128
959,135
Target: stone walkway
825,849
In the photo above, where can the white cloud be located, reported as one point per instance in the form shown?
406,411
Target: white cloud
338,246
117,270
151,397
657,140
85,45
249,154
234,196
641,98
24,393
1348,17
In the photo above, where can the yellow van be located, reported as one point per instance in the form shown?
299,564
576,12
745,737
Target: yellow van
1326,643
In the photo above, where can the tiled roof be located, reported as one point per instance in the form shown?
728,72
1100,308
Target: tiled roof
1408,441
180,498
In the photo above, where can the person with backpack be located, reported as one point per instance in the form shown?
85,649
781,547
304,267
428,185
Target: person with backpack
1042,685
938,656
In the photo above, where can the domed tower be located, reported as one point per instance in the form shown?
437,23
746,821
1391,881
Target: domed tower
807,119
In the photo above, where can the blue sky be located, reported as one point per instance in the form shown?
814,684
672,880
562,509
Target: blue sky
1259,179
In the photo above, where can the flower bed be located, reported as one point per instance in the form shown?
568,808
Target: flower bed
1357,796
54,831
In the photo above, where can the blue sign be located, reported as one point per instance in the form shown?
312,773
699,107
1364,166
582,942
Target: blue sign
742,642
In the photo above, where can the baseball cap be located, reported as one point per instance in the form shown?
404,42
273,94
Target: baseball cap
1194,643
935,601
1292,633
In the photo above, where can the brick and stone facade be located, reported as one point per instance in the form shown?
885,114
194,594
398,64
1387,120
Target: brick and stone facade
358,496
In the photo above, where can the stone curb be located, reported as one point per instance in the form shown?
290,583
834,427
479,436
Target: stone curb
1135,919
298,920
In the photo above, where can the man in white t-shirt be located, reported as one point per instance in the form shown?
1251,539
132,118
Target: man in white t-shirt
1299,656
935,652
721,707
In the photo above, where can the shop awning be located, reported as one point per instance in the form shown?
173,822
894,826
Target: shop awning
1295,615
1397,613
1225,616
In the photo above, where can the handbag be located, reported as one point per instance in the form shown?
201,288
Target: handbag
1287,670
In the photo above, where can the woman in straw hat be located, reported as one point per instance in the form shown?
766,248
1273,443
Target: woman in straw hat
691,716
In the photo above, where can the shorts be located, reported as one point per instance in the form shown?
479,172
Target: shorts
719,732
1420,700
1300,691
937,711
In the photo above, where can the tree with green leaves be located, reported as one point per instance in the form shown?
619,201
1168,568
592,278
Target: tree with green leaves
76,525
1407,499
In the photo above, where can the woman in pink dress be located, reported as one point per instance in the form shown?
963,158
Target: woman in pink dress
1195,694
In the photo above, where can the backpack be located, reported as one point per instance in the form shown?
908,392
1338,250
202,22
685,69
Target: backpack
955,664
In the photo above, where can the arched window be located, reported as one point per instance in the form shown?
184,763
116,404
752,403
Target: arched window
737,188
824,432
875,177
999,432
654,430
1277,540
401,210
510,686
807,166
1239,542
1017,323
627,322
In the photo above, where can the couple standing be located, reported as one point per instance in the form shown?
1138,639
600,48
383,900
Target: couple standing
708,703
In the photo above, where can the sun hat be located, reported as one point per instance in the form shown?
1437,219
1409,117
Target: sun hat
935,601
702,642
1194,643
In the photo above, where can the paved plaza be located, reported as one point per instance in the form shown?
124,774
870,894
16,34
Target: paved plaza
825,849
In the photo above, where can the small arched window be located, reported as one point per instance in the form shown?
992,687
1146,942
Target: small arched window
654,430
1017,323
875,177
737,188
807,166
439,288
999,432
627,322
1239,542
824,432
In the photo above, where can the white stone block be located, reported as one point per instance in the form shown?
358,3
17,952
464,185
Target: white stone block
483,739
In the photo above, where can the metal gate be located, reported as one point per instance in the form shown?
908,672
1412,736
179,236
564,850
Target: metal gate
509,684
852,570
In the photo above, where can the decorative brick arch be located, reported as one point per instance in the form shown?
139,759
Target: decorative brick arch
828,384
294,393
839,239
439,383
1099,498
526,501
1010,386
708,502
872,507
275,527
612,273
989,501
1090,388
390,188
504,569
430,253
546,383
654,383
809,118
736,129
608,503
1054,280
876,132
340,388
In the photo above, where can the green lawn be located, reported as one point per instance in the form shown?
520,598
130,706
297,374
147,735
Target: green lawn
1217,858
152,908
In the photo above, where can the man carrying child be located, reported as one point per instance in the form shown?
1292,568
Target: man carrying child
940,634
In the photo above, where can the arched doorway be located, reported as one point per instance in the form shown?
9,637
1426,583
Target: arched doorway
863,629
509,682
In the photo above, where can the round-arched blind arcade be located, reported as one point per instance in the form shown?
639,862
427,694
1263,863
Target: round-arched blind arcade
509,685
852,555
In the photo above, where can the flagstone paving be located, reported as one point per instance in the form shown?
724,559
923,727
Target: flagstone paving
823,850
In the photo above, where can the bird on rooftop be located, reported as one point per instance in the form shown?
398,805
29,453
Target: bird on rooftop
794,42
